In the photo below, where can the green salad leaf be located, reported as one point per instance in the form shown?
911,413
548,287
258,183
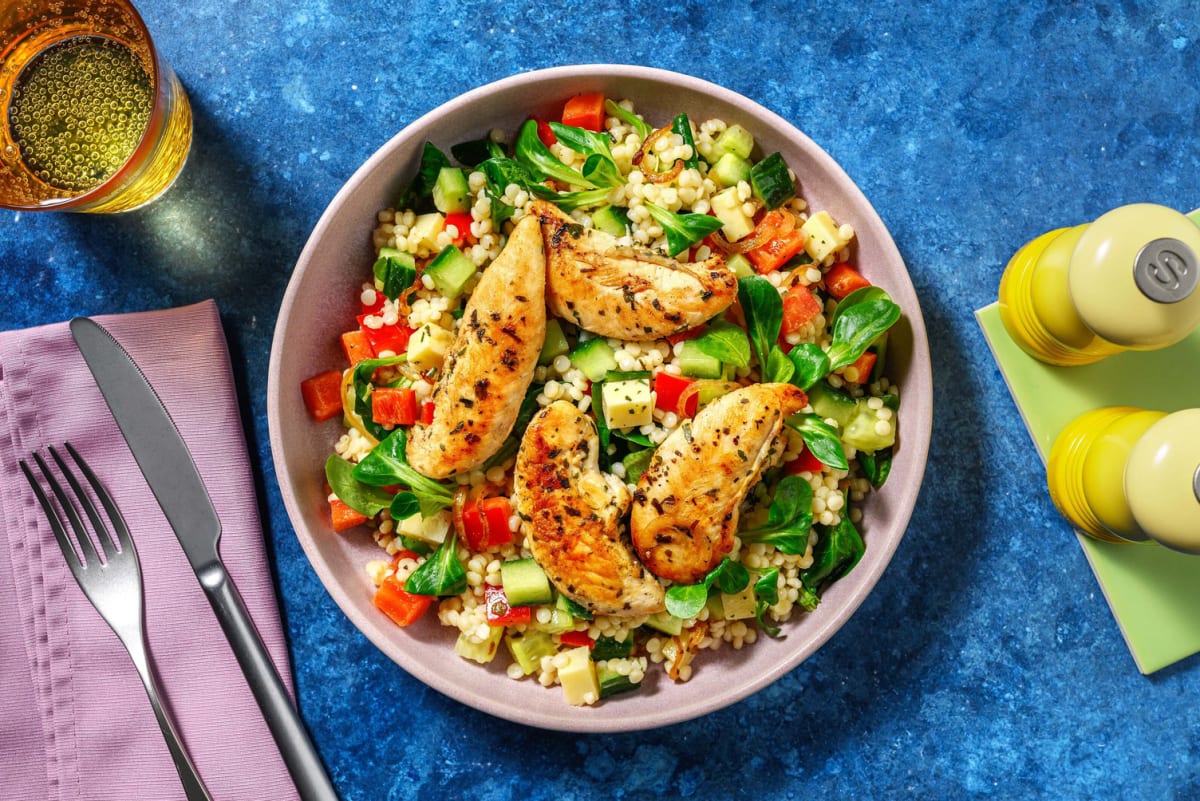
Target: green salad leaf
682,230
441,574
362,498
419,192
820,438
395,273
683,126
642,127
532,154
763,309
766,595
839,548
725,342
685,601
789,519
387,465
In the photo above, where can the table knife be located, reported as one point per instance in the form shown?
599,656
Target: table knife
167,465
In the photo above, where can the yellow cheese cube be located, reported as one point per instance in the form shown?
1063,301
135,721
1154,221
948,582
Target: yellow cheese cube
424,231
578,677
728,208
739,606
627,404
428,346
822,236
430,529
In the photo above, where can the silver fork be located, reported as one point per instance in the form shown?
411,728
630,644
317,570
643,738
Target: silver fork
113,584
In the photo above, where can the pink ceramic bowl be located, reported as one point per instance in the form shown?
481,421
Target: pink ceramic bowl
320,299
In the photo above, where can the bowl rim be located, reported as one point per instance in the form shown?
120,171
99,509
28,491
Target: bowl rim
918,413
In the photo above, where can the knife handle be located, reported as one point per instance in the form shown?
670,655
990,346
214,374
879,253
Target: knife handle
296,747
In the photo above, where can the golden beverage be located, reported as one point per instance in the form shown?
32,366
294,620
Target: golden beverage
92,119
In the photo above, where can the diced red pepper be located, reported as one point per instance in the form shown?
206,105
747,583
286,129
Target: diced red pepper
472,522
373,308
323,395
461,220
394,406
800,306
668,388
343,517
392,338
545,132
859,371
496,512
842,279
576,639
782,242
680,336
500,612
585,111
402,606
356,346
427,408
806,462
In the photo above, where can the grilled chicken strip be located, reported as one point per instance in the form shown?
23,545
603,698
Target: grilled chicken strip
490,366
685,508
624,292
572,512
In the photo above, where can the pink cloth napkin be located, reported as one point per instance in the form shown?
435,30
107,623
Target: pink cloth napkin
75,722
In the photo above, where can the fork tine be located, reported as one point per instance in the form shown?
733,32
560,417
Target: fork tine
89,508
90,557
110,507
60,533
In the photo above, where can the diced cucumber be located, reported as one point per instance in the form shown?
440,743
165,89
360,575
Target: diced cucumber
528,648
560,620
832,404
578,677
730,169
636,463
740,265
771,183
716,609
555,343
695,363
611,681
575,610
525,583
594,358
863,430
665,622
727,206
450,271
427,347
627,404
450,192
610,648
481,652
386,252
736,140
739,606
612,220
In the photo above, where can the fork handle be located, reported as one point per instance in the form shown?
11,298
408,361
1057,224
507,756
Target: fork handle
297,749
192,786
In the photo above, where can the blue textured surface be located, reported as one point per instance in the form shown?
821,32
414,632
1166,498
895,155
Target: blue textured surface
986,663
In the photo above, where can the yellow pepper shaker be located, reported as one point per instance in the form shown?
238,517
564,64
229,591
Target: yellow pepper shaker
1123,474
1127,281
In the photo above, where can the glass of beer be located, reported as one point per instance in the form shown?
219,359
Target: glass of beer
92,119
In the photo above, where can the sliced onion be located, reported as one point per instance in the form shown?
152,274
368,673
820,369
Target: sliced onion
460,504
758,237
695,388
652,176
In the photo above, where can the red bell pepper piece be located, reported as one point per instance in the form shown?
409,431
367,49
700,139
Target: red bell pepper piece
575,639
585,111
780,244
323,395
427,408
373,308
394,406
842,279
859,372
495,512
668,388
800,306
545,132
461,220
343,517
806,462
387,337
680,336
402,606
356,346
500,612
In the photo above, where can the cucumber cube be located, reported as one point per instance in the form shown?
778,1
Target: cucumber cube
729,170
450,271
740,265
528,648
450,192
736,140
482,652
525,583
555,343
594,359
867,432
696,363
611,220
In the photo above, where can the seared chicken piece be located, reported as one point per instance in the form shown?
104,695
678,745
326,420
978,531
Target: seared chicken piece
490,365
625,292
685,508
571,513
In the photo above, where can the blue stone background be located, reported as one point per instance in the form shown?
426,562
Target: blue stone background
986,663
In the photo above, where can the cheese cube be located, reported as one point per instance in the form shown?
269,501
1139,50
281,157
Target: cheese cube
424,231
822,236
430,529
728,208
577,675
428,346
628,404
739,606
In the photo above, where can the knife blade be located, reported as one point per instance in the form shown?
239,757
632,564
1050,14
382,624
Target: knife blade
166,463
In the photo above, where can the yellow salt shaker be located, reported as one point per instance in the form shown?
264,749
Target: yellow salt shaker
1127,281
1124,474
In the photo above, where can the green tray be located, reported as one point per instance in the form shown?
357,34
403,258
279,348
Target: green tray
1153,592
